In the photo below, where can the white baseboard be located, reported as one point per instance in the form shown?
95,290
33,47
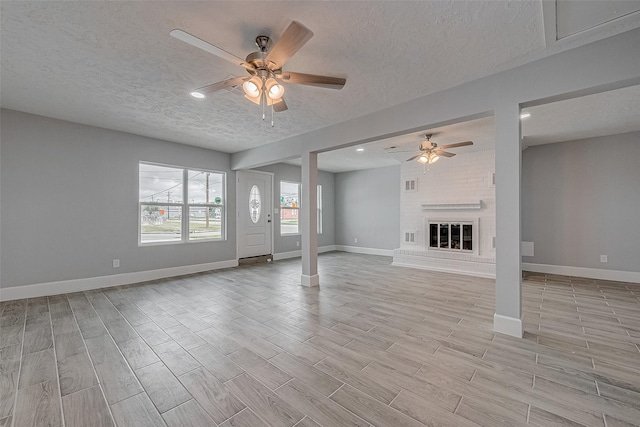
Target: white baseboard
79,285
366,251
445,270
592,273
298,253
507,325
310,281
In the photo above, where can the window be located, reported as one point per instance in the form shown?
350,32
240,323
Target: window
255,204
289,207
319,209
173,199
457,236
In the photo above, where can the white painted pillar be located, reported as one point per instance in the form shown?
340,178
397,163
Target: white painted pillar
508,317
308,219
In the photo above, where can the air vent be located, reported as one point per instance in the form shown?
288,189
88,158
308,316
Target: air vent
410,237
492,179
410,185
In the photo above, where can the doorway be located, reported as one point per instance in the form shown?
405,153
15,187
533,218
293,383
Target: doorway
254,207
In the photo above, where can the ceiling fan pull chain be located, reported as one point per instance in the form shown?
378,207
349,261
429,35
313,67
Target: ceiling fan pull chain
263,101
272,115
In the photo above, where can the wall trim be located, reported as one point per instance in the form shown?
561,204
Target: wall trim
309,281
507,325
366,251
89,283
298,253
592,273
445,270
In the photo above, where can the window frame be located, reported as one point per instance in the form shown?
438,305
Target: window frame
185,205
319,208
297,208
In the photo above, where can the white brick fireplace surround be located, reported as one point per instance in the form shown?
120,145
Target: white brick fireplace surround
454,190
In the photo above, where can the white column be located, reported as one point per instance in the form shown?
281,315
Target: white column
508,163
308,220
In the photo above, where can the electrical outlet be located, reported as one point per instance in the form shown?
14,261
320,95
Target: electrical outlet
604,258
297,243
116,263
355,240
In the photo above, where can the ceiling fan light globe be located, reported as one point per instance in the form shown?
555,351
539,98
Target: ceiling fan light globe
276,92
423,159
274,89
433,158
251,88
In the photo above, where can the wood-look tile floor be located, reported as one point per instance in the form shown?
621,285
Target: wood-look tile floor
374,345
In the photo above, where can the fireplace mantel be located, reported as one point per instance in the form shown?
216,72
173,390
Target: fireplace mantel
452,206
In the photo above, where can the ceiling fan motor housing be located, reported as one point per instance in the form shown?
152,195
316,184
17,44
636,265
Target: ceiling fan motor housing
256,59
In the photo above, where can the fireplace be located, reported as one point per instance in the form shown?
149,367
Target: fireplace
452,235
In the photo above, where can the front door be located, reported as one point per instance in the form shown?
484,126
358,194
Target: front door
254,213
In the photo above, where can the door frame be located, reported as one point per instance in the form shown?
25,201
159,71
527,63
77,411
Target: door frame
238,207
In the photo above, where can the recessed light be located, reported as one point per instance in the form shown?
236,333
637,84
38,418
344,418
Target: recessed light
359,149
525,115
197,95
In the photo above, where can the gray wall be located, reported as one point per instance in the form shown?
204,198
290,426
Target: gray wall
70,201
581,199
292,173
368,208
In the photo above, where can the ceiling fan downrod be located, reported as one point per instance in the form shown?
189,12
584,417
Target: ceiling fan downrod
262,42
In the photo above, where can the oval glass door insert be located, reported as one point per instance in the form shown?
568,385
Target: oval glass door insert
255,205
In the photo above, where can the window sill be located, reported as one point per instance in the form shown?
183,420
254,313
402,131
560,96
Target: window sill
141,244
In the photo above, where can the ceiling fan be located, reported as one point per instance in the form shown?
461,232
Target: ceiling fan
263,85
430,152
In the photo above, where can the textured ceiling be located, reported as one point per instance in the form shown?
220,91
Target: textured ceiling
114,65
606,113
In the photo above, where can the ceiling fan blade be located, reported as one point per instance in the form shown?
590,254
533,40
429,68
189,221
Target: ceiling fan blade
443,153
208,47
414,157
404,151
458,144
206,90
312,80
293,38
280,106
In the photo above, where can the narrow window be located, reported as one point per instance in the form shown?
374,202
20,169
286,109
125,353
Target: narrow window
206,194
319,209
160,194
289,207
